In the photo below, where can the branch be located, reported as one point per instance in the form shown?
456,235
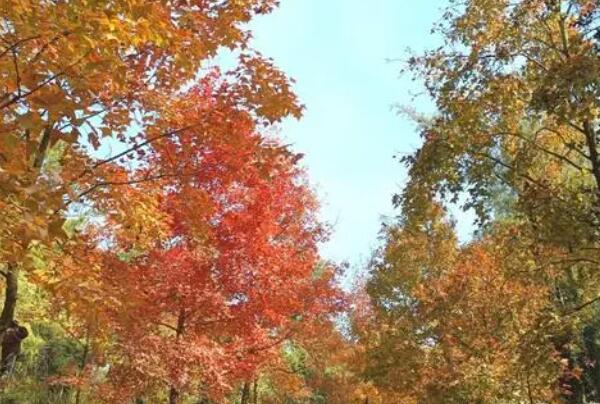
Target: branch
16,45
43,147
142,144
133,181
552,153
282,370
575,260
132,149
510,167
45,46
17,74
529,179
18,97
567,144
590,136
582,306
563,34
274,343
166,325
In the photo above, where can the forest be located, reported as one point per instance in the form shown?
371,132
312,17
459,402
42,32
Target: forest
160,241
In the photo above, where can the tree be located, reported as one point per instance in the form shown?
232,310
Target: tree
212,267
74,73
512,111
452,323
516,91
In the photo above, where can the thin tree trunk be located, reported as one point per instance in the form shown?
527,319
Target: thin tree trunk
40,156
592,144
255,392
11,334
10,296
86,350
173,393
245,393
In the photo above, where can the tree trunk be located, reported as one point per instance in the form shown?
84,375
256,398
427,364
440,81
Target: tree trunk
83,362
592,144
11,333
8,315
10,296
255,392
40,156
173,393
245,393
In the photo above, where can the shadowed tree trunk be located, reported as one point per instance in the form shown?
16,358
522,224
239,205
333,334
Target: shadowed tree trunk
245,393
84,356
173,393
11,346
10,296
11,334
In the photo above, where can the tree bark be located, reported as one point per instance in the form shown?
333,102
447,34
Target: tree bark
10,296
11,335
592,144
255,392
86,349
42,150
173,393
245,393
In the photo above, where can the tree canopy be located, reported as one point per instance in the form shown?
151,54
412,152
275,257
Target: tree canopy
160,243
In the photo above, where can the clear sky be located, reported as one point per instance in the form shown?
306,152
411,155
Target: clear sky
337,51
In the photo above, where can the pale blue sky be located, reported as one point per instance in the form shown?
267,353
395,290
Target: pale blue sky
337,50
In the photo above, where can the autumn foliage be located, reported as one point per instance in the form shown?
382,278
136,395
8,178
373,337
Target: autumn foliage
510,315
160,243
185,258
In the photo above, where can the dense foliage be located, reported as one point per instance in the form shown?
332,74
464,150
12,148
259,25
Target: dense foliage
510,316
158,243
176,265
